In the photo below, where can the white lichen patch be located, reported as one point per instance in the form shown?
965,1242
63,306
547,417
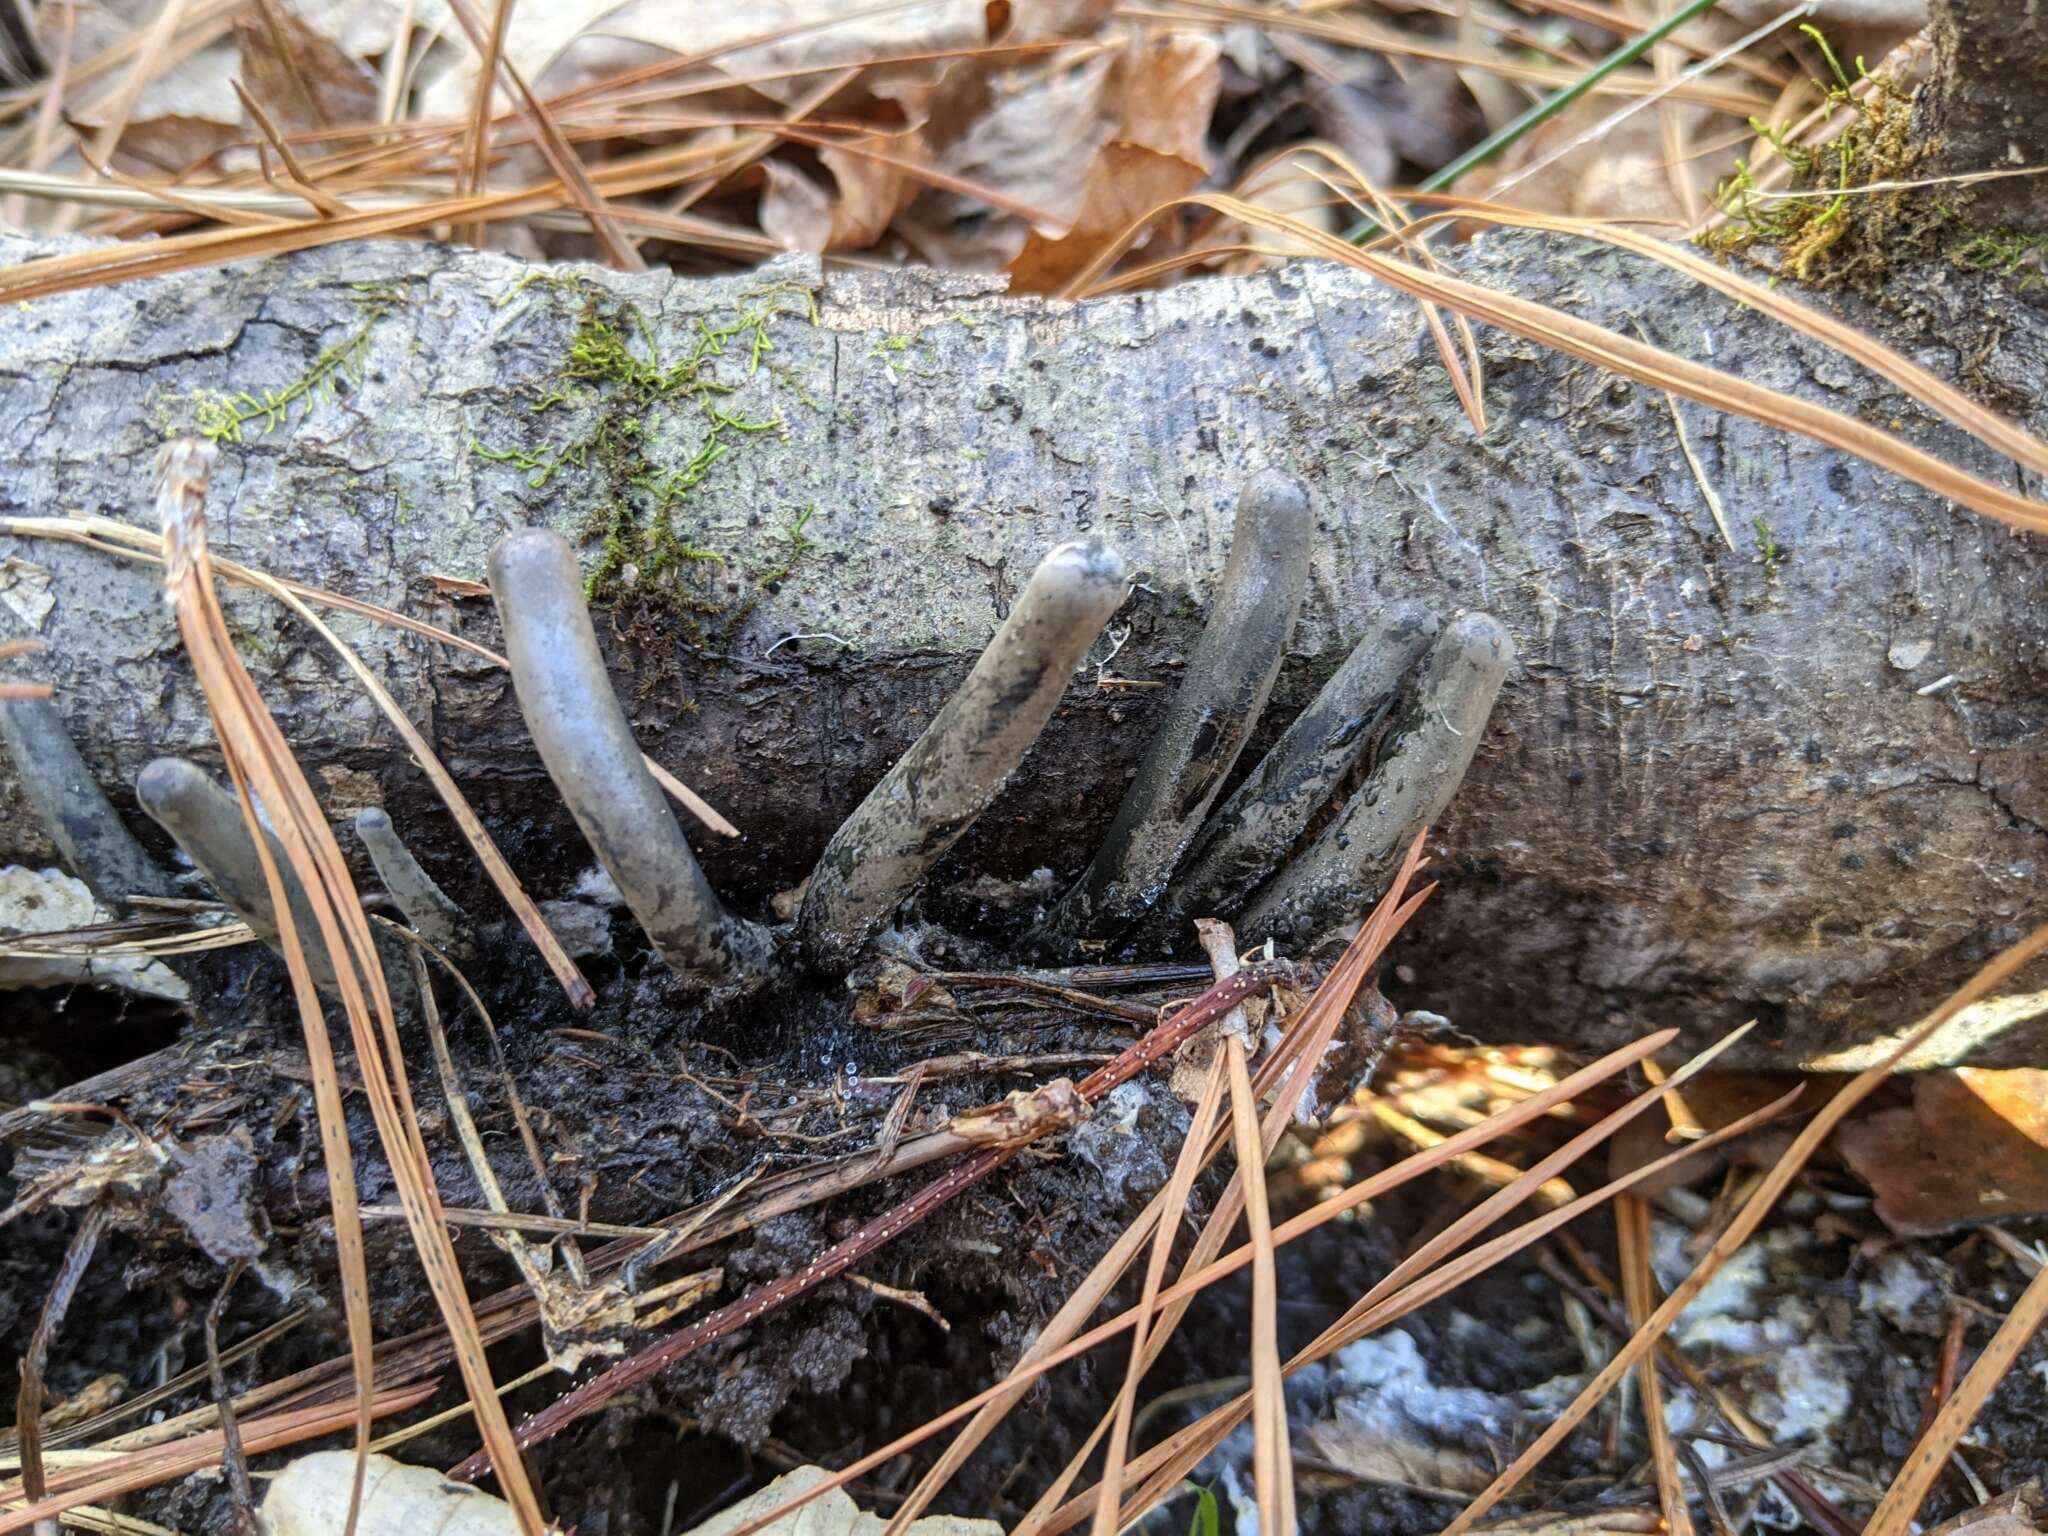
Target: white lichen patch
1110,1142
595,885
1801,1390
1908,1289
50,901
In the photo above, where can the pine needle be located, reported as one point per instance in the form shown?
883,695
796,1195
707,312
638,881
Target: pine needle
1746,1221
1896,1512
263,769
1186,1166
1272,1465
1623,355
1638,1289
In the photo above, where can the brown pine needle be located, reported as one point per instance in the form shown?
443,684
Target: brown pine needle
1186,1166
1358,1194
112,538
1619,354
1304,1043
1639,1293
1468,378
1922,384
548,139
1407,1278
1831,1114
324,205
103,1480
1896,1512
1174,1458
263,769
1272,1463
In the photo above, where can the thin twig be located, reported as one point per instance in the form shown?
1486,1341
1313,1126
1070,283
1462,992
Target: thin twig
241,1491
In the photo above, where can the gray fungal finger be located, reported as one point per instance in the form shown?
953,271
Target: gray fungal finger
1229,676
433,916
590,753
951,772
90,838
1253,831
206,821
1435,733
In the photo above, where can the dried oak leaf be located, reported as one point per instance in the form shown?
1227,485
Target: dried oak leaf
1168,93
1973,1147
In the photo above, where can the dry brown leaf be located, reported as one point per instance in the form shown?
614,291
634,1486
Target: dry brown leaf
1166,93
797,212
302,78
1712,1100
310,1496
1973,1147
1370,1436
832,1514
1030,133
2015,1513
573,45
1126,182
183,114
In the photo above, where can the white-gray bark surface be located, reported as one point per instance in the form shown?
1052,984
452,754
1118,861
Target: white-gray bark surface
1797,780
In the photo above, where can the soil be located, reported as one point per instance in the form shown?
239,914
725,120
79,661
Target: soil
634,1105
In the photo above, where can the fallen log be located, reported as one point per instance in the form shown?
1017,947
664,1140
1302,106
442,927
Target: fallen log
1767,751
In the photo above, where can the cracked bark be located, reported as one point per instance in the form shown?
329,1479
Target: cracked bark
1609,867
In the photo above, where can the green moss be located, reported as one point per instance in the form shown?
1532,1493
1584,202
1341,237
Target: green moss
2008,253
1851,235
224,418
1768,549
651,562
1847,235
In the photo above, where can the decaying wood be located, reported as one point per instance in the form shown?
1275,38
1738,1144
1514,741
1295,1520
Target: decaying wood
1796,780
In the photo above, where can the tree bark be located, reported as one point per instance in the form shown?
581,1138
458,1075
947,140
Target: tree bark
1987,109
1796,779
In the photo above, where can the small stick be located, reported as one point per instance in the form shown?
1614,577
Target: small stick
601,1389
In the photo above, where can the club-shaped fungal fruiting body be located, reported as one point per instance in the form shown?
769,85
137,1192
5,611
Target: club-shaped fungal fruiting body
1229,677
206,821
950,773
1405,711
576,722
1423,761
67,801
426,907
1252,832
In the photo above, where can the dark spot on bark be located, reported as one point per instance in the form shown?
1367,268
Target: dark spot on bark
1811,751
1770,1021
941,506
1839,479
1843,829
1853,861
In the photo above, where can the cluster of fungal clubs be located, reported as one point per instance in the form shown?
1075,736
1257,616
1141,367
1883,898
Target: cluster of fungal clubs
1274,857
